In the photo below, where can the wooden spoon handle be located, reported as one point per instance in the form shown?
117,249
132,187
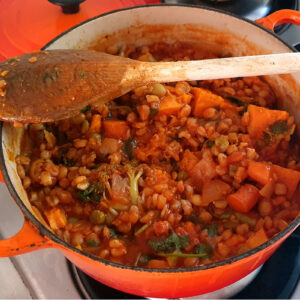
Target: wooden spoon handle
224,68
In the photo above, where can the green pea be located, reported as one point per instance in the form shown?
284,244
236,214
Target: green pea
78,119
96,137
158,90
97,217
72,220
182,175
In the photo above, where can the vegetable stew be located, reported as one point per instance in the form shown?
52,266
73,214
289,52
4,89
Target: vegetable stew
167,176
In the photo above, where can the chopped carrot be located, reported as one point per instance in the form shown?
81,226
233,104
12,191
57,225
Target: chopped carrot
185,98
290,178
188,161
116,129
214,190
95,124
260,118
235,157
259,171
262,173
204,99
56,218
257,239
244,199
169,105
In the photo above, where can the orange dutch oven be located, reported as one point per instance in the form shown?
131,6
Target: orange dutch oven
212,29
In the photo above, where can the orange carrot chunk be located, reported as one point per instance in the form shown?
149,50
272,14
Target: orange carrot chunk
169,106
260,118
262,172
56,218
204,99
259,171
95,124
257,239
244,199
288,177
116,129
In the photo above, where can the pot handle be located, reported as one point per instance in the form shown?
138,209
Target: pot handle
26,240
280,17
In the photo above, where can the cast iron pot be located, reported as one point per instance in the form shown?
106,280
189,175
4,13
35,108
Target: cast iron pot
213,30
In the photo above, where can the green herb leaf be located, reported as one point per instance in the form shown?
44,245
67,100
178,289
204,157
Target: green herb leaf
204,249
64,160
235,100
92,194
182,175
128,148
82,75
212,230
92,243
245,219
225,216
86,109
47,78
209,143
72,220
174,164
279,127
113,233
153,112
170,244
68,162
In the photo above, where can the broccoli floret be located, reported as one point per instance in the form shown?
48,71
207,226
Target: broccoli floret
133,184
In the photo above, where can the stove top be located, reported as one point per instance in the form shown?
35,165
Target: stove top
46,274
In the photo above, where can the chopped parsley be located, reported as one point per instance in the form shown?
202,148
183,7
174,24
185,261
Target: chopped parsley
82,75
278,127
92,194
212,230
235,100
153,112
209,143
204,249
86,109
113,233
92,243
170,244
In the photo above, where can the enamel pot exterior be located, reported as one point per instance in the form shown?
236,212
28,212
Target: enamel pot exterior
143,25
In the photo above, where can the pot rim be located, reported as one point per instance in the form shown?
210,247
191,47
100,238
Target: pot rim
46,232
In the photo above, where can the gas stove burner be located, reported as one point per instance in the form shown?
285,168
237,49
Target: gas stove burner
250,9
263,283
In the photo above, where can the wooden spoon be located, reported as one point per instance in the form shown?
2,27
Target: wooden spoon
53,85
